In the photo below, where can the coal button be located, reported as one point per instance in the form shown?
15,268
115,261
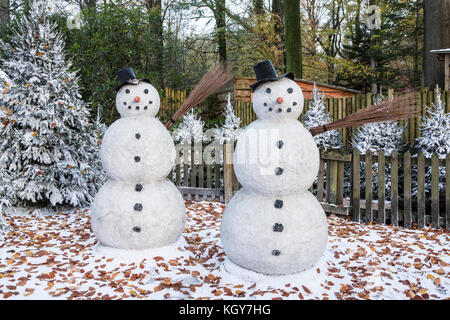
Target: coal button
137,229
278,204
138,135
276,253
280,144
278,227
138,207
279,171
137,158
138,187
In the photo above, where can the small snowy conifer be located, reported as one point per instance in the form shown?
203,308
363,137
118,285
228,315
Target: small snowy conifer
231,129
47,146
376,137
435,128
379,136
190,128
316,116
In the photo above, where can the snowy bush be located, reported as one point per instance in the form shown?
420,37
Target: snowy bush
190,128
435,129
315,117
231,129
376,137
46,145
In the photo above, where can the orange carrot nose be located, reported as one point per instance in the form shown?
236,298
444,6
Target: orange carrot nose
280,100
137,99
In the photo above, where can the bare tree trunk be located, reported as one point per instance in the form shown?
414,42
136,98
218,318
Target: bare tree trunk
278,20
373,61
220,15
4,13
436,36
258,7
156,27
416,45
293,37
88,4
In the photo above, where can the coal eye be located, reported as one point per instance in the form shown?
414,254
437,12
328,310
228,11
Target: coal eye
290,90
268,90
127,91
146,91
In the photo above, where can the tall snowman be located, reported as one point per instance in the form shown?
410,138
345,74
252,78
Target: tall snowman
274,225
138,208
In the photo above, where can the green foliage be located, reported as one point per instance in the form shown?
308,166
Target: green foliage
110,39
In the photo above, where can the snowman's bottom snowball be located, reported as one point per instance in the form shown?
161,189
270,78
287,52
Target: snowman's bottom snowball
128,219
258,236
310,275
168,252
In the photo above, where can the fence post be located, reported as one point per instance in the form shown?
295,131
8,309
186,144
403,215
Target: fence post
435,191
381,188
407,214
368,184
394,189
332,181
447,190
228,171
355,187
421,190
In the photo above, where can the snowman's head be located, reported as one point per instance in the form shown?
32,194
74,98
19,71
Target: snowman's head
278,100
141,99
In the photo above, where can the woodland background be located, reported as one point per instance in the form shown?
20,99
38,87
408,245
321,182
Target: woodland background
174,42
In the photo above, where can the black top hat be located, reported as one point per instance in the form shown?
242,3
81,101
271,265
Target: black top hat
265,72
127,76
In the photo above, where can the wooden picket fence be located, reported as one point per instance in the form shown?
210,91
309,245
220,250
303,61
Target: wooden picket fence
197,179
172,99
405,208
339,108
216,180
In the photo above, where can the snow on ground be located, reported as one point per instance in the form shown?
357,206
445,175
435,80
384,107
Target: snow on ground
57,257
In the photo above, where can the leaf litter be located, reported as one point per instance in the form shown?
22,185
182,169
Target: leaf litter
55,257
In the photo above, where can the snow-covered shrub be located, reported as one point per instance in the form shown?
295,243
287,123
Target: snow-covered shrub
190,128
231,129
376,137
435,129
46,145
316,116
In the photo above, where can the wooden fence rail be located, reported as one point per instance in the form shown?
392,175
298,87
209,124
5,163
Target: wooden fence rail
205,172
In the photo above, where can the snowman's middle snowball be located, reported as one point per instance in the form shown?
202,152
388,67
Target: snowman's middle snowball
276,157
137,149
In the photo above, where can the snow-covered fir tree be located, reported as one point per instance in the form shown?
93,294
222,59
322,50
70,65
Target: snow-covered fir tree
435,129
46,145
316,116
231,129
191,127
379,136
376,137
5,83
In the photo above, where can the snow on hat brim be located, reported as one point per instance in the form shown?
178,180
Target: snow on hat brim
289,75
136,82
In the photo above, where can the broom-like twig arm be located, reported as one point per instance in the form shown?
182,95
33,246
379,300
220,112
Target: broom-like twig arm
214,79
399,108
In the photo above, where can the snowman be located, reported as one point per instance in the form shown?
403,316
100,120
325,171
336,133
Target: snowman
138,208
274,225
